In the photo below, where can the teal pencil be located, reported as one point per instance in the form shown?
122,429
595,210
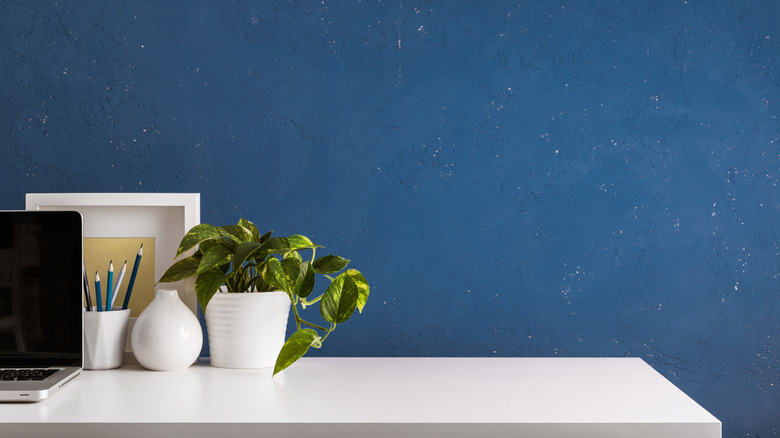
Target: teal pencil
132,276
108,285
98,299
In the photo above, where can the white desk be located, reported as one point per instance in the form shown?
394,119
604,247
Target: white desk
375,398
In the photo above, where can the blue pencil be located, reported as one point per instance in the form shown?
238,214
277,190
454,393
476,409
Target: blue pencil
108,285
98,299
132,277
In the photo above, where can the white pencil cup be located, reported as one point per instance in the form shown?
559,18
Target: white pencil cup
105,335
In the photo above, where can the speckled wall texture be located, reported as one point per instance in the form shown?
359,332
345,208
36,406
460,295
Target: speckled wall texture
524,178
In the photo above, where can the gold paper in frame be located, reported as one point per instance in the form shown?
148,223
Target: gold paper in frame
100,251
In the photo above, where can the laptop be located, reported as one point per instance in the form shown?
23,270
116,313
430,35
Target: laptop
41,290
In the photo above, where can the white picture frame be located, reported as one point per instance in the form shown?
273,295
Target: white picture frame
165,216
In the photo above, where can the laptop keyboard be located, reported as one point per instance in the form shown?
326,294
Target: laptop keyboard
25,374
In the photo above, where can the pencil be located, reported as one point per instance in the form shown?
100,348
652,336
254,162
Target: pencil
86,287
118,283
98,299
108,284
132,276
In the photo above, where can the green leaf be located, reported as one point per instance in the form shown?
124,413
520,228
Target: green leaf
236,232
305,283
330,264
297,241
277,245
216,256
265,237
196,235
208,243
290,267
362,286
184,268
340,300
245,251
206,285
263,281
252,229
295,255
276,277
294,348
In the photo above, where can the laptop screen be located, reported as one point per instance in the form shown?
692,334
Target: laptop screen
40,288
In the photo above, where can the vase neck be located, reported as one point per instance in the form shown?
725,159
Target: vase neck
166,293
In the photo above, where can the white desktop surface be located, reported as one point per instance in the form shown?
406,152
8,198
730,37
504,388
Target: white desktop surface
374,397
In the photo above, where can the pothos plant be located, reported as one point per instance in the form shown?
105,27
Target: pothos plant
242,260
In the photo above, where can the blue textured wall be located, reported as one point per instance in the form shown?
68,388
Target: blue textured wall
571,178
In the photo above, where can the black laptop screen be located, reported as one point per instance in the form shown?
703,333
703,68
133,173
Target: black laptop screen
40,287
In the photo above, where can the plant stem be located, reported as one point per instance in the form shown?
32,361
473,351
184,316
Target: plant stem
315,326
299,321
297,317
309,303
332,327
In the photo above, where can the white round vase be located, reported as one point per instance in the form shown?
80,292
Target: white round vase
246,330
167,335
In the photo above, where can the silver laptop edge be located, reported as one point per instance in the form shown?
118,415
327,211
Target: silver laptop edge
34,391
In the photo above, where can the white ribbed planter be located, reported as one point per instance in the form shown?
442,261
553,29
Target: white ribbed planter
246,330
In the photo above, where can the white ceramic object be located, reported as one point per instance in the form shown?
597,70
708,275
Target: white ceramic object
105,335
167,335
246,330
